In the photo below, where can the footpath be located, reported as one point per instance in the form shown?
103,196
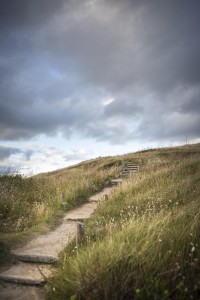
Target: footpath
26,277
32,267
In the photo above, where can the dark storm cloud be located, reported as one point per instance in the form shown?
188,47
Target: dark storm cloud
123,107
6,152
28,12
59,59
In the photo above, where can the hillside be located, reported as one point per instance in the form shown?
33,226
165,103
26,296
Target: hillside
143,242
31,205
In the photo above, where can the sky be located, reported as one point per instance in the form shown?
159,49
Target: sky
81,79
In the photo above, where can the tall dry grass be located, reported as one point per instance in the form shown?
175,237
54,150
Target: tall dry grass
28,202
144,242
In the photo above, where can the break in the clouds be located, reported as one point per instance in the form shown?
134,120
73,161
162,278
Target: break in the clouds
105,70
29,161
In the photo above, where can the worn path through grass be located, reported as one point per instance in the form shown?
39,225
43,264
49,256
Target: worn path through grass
32,262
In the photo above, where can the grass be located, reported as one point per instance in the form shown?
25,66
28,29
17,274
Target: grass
144,241
31,205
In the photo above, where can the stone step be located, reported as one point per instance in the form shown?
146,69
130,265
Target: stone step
13,291
27,274
24,280
36,258
45,248
129,170
132,167
116,182
127,173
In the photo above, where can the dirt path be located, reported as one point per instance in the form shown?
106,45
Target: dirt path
32,267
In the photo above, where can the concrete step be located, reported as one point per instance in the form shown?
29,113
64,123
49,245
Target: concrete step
124,174
116,182
129,170
28,274
132,167
24,279
36,258
45,248
13,291
127,173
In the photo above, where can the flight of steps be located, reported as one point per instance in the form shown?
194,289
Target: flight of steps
33,263
129,169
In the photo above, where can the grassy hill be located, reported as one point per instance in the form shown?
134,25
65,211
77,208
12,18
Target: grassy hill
29,206
141,243
144,241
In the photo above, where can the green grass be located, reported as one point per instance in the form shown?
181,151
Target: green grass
144,241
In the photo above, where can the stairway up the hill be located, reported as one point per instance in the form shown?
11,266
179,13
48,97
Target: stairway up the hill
32,263
129,169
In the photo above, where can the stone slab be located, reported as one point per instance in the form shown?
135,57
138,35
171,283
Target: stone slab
117,181
43,249
28,274
46,259
50,244
9,291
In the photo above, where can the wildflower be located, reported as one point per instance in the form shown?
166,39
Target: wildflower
193,249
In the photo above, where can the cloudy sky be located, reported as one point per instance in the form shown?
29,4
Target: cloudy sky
87,78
